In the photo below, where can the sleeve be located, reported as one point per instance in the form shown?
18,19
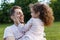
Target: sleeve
7,33
27,26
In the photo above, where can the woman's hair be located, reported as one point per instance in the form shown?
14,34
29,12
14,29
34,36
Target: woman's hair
13,9
46,13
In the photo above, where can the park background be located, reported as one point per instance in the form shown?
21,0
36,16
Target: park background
52,32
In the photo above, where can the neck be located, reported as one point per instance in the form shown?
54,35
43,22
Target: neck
16,24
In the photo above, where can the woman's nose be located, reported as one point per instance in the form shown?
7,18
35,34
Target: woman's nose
18,15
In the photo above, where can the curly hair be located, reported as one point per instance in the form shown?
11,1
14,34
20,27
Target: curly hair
46,13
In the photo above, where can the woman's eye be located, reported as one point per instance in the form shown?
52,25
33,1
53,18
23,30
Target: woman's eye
19,13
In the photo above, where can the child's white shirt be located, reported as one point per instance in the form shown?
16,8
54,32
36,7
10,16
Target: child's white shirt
34,30
13,31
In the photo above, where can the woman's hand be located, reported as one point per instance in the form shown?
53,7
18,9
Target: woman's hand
21,19
17,19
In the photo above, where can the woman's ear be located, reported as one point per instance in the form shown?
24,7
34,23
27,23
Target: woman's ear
11,17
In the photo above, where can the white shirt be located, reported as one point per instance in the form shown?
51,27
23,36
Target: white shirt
13,31
34,30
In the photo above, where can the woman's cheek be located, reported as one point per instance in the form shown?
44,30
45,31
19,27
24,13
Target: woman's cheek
31,14
18,15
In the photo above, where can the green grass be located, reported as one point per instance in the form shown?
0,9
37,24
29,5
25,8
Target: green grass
52,32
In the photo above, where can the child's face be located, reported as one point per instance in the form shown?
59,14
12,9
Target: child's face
33,14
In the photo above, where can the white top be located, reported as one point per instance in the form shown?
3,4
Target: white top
13,31
34,30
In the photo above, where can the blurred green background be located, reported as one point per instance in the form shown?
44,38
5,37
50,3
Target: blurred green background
52,32
5,8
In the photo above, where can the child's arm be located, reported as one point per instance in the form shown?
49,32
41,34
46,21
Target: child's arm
26,27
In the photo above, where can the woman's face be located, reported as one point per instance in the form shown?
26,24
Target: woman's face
33,14
19,14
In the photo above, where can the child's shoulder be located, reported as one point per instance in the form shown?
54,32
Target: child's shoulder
36,19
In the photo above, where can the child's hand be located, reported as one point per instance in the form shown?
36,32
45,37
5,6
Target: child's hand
17,19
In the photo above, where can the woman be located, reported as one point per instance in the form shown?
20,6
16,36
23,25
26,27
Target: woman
13,32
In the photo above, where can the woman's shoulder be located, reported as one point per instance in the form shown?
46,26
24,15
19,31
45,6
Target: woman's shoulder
8,32
8,28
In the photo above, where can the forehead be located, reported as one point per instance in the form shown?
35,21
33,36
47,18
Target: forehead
18,10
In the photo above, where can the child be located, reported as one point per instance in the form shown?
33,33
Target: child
42,15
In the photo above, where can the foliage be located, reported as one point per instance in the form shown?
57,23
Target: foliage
4,13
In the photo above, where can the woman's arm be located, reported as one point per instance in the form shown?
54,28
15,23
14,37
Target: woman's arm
9,38
8,34
4,38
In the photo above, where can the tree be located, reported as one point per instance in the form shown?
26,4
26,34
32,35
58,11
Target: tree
4,14
5,18
5,6
56,8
